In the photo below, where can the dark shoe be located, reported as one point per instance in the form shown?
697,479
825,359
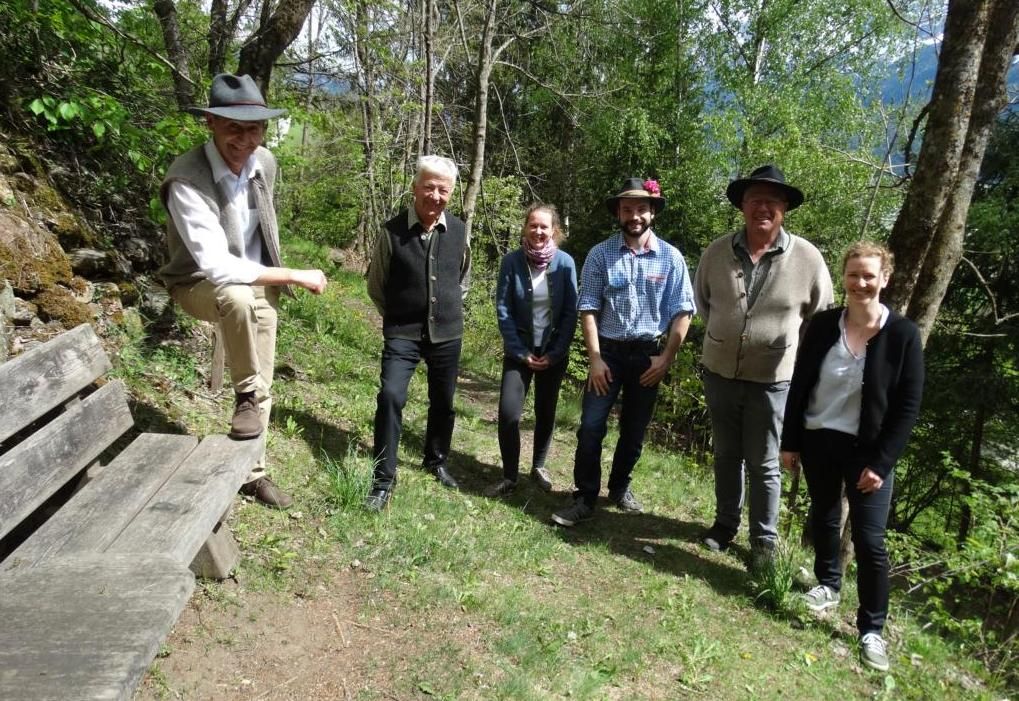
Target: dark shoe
377,499
247,422
265,492
445,479
542,479
573,514
501,489
762,558
718,538
625,501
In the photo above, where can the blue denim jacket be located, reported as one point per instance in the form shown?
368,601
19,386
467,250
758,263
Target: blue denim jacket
514,300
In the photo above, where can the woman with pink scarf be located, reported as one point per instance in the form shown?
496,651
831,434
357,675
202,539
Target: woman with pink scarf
536,303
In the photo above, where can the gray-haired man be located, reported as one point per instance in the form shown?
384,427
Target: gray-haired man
418,277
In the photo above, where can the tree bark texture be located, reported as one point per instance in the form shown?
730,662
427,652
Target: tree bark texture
275,33
969,93
486,60
166,12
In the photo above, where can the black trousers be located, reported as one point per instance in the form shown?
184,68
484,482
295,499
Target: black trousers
516,381
830,459
400,357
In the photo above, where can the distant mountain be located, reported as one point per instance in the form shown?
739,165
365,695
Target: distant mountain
917,79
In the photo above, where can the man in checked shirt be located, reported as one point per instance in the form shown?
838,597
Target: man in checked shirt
635,305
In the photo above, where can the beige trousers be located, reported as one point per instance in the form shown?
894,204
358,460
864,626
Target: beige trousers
246,315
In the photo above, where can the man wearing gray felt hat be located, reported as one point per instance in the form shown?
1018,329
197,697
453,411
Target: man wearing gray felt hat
224,262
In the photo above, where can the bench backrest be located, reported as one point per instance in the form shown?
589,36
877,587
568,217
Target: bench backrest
58,445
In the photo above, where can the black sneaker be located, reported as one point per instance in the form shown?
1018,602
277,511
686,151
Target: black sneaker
573,514
501,488
625,501
717,538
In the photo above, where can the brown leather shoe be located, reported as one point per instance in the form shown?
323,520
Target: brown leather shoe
247,422
266,492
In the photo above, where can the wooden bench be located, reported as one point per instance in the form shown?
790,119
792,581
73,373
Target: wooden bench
91,585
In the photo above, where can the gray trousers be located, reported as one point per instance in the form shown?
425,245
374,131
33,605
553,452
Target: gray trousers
746,422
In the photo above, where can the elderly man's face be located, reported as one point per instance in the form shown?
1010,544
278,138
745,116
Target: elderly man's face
764,209
635,216
234,140
431,194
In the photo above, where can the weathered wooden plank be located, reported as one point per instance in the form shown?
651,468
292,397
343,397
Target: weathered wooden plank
86,627
180,517
96,515
47,376
37,467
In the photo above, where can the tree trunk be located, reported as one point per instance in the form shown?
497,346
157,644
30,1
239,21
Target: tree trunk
969,93
274,34
166,12
369,221
484,71
429,84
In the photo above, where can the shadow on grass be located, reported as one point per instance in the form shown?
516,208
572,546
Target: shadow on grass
321,436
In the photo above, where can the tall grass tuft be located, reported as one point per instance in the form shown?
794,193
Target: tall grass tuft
350,478
773,580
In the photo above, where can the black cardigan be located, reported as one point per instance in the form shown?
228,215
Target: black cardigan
893,376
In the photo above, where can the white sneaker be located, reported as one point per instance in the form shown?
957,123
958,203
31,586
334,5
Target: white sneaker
821,598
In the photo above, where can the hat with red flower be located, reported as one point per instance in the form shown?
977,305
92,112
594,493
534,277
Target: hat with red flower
637,189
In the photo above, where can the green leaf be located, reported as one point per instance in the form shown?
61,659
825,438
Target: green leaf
37,106
98,128
69,110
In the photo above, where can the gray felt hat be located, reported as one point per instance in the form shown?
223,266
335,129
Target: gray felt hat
237,97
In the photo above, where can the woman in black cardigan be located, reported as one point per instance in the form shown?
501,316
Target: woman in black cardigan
853,400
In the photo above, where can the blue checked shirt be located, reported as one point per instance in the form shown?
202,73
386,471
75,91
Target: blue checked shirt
636,294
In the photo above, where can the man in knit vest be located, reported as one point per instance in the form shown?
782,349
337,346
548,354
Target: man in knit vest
756,289
224,254
418,277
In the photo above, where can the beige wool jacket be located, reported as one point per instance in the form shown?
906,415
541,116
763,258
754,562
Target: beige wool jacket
758,343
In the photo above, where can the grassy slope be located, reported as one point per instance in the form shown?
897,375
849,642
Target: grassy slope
492,602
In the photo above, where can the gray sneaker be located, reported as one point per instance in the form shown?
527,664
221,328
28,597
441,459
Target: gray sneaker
874,651
625,501
542,479
821,598
573,514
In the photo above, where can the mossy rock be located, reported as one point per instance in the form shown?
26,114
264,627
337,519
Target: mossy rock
59,304
30,256
72,231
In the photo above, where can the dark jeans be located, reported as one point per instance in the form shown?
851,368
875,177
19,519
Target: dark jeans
626,363
830,458
516,380
400,357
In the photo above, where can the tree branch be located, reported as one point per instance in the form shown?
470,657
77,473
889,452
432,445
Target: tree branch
100,19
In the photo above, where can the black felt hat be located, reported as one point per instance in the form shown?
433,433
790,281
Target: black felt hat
237,97
767,174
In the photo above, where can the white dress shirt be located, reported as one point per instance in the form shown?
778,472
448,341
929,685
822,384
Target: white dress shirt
201,231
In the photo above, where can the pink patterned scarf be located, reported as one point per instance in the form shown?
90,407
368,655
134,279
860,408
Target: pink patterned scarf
540,257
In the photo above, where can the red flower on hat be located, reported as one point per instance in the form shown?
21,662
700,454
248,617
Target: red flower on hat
653,187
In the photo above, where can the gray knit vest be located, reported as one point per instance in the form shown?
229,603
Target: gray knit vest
194,169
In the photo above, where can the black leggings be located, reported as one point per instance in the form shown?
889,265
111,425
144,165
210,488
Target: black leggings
516,380
829,459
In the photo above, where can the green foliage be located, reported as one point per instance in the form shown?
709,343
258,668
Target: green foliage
972,592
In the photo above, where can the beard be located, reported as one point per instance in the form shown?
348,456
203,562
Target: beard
634,232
